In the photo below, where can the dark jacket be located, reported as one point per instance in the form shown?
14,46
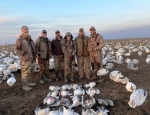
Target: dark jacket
56,46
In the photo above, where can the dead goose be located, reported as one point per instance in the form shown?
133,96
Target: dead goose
75,86
39,111
79,91
91,91
102,111
88,112
105,102
88,103
90,85
54,88
69,111
64,93
65,87
54,94
51,101
76,102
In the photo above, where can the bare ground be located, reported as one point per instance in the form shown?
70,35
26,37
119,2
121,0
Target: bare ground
15,101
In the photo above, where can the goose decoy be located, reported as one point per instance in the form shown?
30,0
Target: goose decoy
137,98
130,87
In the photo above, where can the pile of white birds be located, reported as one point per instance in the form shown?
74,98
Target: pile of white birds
67,97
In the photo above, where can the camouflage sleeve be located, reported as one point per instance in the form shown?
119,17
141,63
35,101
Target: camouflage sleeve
90,45
18,47
37,46
74,48
100,43
63,47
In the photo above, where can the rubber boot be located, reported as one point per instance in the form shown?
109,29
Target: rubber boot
42,79
47,77
30,83
25,86
71,78
56,76
66,79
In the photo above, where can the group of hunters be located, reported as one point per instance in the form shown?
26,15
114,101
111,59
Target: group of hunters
86,49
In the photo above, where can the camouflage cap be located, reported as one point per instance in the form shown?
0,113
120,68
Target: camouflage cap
92,28
68,34
81,29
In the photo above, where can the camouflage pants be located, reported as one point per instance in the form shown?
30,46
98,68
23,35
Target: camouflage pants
95,58
27,69
84,66
69,66
59,63
43,66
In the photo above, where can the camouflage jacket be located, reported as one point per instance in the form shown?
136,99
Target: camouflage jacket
25,48
68,47
82,46
43,47
95,43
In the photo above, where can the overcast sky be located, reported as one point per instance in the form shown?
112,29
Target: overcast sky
111,18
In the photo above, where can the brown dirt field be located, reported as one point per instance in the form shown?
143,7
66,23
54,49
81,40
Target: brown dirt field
15,101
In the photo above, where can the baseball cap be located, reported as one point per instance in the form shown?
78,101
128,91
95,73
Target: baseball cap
44,31
81,29
92,28
57,31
